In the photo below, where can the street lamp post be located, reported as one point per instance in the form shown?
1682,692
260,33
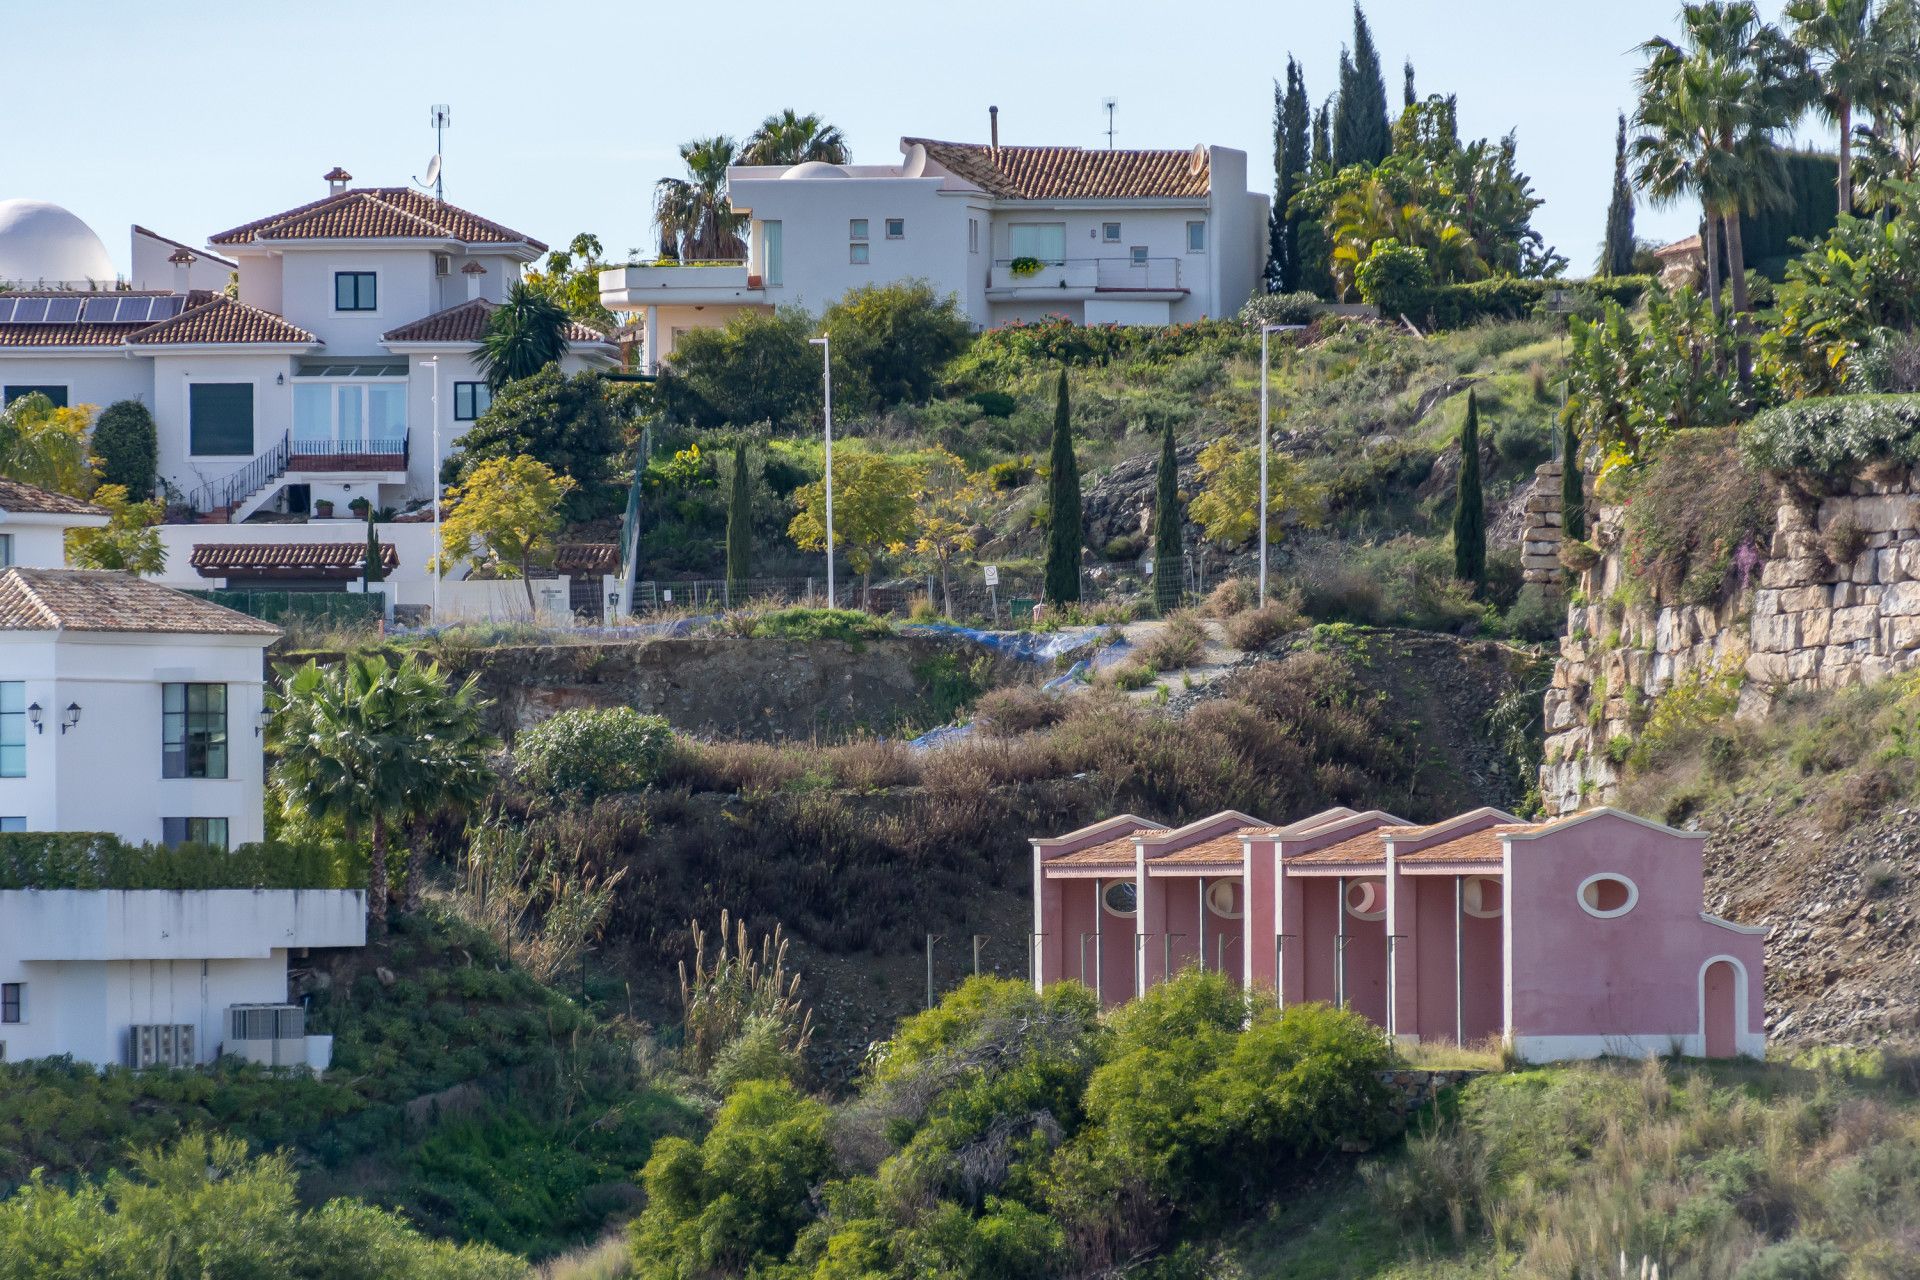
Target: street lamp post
434,362
825,344
1260,513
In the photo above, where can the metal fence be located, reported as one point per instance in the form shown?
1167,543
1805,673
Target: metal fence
327,608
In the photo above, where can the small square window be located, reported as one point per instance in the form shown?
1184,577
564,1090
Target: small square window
856,228
896,228
1110,232
1196,237
356,291
13,1001
857,254
470,400
1138,256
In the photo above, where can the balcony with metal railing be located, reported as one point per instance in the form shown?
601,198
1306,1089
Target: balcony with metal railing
670,281
1083,277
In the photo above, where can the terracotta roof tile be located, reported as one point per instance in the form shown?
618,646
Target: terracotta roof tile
1365,847
216,559
467,322
1219,851
25,499
1111,853
1483,845
67,335
1073,173
586,557
223,320
103,600
376,213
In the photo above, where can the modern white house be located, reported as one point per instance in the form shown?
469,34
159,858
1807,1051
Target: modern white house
1016,233
347,339
34,524
128,708
159,977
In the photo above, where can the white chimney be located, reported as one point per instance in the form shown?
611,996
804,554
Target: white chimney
182,260
993,128
473,271
337,180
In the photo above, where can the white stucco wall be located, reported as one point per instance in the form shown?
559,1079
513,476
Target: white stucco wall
95,378
152,270
104,774
271,376
40,541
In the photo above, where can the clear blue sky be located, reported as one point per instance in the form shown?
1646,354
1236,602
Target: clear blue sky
189,119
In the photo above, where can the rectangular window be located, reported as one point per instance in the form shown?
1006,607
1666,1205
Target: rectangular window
896,228
57,394
857,253
193,731
13,1001
6,550
470,400
1046,241
856,228
1138,256
13,824
220,419
973,235
1196,237
1110,232
356,291
775,263
178,831
13,729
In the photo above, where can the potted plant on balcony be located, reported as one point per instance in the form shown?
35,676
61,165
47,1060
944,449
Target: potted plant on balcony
323,508
1022,267
360,507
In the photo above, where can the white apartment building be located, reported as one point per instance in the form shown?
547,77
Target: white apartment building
158,977
348,340
128,708
1016,233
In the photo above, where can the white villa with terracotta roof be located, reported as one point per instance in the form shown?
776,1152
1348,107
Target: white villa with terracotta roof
316,382
1016,233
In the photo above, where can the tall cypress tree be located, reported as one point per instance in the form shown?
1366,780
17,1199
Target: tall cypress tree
1063,509
1322,147
372,569
1169,561
740,523
1361,132
1469,515
1573,487
1616,255
1407,96
1292,122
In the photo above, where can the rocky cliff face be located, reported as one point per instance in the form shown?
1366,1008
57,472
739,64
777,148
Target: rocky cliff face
1834,601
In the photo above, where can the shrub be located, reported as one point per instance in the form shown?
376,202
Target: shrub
128,446
1257,628
1536,615
1298,307
1229,597
1832,435
1690,514
593,751
894,338
758,368
1178,643
1012,473
1394,276
822,624
742,1007
1003,713
94,860
1796,1259
1455,306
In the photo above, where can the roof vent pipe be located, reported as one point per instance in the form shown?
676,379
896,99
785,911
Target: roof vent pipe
993,129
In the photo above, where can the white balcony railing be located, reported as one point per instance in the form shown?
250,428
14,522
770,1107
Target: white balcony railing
1114,274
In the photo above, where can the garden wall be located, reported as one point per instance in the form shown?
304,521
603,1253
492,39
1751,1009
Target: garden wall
1834,601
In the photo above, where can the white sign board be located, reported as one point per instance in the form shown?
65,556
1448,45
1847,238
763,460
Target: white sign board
993,575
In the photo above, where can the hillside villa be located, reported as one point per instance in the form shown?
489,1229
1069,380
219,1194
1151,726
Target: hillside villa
1582,936
1016,233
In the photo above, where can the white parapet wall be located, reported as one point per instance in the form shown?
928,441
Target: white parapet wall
80,968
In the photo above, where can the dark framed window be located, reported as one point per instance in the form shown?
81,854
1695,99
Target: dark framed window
470,400
17,391
15,823
13,1001
896,228
193,720
356,291
13,729
220,419
179,831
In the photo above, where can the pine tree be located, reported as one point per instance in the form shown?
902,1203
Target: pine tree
1063,509
1573,488
1407,95
1469,516
740,524
1291,125
1361,132
1322,147
1169,558
1616,255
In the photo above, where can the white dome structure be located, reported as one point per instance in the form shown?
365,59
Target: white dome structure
814,169
43,243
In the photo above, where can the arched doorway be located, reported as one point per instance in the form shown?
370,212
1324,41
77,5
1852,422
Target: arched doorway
1720,1009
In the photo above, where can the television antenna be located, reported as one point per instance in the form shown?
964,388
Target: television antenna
442,118
1109,104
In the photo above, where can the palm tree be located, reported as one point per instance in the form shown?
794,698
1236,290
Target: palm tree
697,223
524,336
367,745
788,138
1839,39
1889,150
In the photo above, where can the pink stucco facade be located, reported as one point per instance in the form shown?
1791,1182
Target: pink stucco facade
1573,938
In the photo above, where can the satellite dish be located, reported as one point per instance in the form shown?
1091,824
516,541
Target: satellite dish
433,172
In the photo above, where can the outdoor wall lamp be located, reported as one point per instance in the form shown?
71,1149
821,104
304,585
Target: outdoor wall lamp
71,718
33,718
261,719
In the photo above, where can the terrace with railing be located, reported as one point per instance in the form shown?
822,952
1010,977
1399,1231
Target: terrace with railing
1015,276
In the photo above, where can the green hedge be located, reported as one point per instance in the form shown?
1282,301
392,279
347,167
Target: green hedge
96,860
1451,306
335,608
1833,434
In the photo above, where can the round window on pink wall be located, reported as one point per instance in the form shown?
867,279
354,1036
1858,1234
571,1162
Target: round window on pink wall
1224,899
1121,898
1367,899
1607,895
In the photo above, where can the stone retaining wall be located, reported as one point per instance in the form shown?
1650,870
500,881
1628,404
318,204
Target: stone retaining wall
1540,537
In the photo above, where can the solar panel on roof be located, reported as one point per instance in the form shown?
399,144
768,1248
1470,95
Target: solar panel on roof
63,310
99,310
168,307
29,310
133,310
6,309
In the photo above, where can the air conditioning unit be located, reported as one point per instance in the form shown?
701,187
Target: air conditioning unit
273,1035
160,1044
443,264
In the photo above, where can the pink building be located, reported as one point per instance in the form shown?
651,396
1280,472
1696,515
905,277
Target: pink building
1569,939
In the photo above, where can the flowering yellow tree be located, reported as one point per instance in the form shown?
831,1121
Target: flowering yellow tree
44,445
129,541
952,503
505,518
875,505
1230,494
